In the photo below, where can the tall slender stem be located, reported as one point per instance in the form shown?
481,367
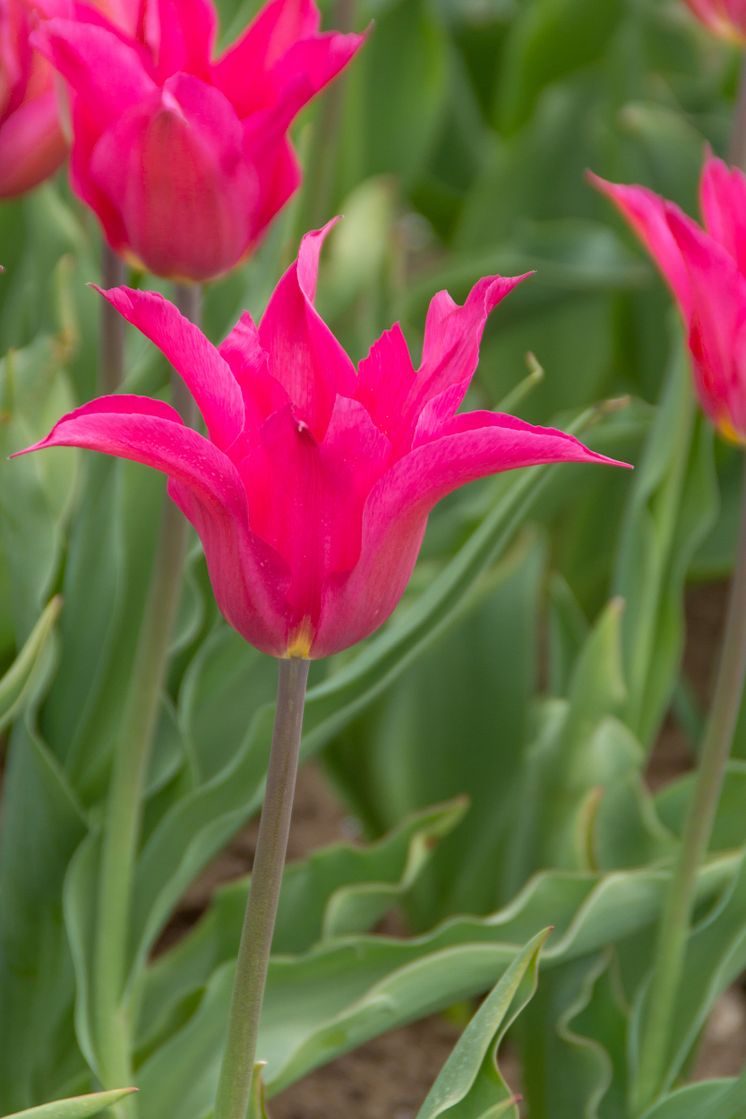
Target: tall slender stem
111,346
261,910
675,923
132,752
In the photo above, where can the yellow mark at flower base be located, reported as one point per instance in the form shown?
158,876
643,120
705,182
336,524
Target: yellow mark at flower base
300,643
728,432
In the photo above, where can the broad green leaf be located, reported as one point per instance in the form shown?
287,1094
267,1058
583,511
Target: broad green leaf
710,1099
338,890
41,826
20,677
564,1075
470,1085
35,490
325,1002
82,1107
715,957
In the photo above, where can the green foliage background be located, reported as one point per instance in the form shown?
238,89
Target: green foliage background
535,656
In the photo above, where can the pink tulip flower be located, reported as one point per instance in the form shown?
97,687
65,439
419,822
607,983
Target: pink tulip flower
706,270
186,160
724,18
32,139
312,490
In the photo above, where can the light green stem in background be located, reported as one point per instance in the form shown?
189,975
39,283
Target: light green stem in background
675,923
264,893
132,751
111,344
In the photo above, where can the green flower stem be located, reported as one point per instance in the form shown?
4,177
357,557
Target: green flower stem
132,751
261,910
111,346
675,923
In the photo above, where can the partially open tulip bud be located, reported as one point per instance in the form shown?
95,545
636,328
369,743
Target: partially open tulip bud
724,18
186,160
312,489
706,270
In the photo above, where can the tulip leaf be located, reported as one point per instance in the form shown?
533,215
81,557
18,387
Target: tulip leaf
338,890
470,1085
81,1107
715,957
19,680
710,1099
41,825
346,991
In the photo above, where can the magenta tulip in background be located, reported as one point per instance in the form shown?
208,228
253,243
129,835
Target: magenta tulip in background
312,490
706,269
186,160
726,18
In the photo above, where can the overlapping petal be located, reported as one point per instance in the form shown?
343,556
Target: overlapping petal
304,356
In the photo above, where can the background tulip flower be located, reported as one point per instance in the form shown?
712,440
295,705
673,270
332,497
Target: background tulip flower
186,160
312,491
725,18
706,269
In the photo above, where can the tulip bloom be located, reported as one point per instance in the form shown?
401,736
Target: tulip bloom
725,18
186,160
706,270
312,491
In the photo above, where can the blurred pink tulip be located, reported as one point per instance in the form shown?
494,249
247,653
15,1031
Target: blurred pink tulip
706,270
312,491
186,160
725,18
32,140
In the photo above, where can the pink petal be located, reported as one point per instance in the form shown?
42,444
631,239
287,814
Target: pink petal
397,508
32,146
310,65
186,37
278,177
386,378
648,216
304,356
106,72
453,334
205,373
717,318
262,394
248,581
723,201
316,524
175,172
278,25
